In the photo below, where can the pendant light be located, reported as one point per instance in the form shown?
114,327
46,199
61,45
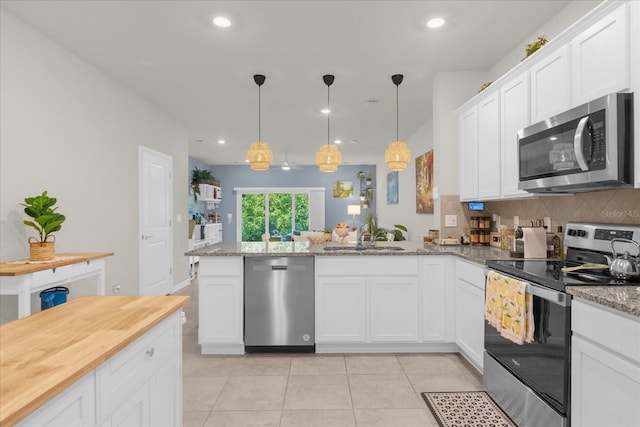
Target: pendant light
259,154
397,154
328,157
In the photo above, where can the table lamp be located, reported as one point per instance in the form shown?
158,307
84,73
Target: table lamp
353,210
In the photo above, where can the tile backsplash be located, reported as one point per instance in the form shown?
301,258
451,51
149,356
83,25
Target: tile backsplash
610,206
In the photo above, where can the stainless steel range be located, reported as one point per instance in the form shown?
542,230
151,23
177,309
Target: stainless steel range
531,382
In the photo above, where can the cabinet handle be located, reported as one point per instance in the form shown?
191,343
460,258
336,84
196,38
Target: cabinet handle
150,352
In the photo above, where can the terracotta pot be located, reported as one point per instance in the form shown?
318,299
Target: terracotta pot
41,251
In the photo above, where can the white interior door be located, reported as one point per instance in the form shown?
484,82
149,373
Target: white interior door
155,210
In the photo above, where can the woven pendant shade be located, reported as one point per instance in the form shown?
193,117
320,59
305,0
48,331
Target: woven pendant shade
259,156
397,156
328,158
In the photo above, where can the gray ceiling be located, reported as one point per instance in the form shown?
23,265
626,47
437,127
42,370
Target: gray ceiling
169,53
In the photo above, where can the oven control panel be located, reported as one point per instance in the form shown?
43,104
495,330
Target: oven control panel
597,237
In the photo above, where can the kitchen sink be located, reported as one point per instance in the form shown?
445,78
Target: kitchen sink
366,248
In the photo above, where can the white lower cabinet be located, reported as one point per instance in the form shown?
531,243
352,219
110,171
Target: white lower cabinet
383,303
75,407
605,367
141,385
221,305
469,311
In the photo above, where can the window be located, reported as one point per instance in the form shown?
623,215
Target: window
278,211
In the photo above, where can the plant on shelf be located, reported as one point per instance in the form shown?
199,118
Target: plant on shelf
46,221
199,176
535,45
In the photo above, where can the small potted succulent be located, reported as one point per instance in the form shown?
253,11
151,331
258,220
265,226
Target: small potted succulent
46,221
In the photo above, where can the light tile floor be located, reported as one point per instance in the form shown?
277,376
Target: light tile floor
320,390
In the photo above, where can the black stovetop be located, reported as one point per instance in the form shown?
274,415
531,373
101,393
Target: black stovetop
549,273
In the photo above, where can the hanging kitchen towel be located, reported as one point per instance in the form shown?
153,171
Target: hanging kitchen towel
509,308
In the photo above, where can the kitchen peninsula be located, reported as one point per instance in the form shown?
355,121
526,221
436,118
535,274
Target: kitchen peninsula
93,361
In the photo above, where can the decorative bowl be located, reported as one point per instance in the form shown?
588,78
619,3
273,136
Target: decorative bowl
342,233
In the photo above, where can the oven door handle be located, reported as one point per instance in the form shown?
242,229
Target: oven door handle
556,297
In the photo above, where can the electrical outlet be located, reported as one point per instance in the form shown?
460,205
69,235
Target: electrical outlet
115,289
516,221
451,220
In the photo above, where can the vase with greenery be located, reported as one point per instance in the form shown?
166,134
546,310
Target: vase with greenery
46,221
535,46
199,176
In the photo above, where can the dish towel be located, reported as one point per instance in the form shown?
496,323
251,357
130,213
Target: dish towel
509,308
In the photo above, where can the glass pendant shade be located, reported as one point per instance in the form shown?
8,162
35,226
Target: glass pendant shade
259,156
328,158
397,156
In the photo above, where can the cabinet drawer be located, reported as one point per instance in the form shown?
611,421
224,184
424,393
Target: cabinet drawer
53,275
607,328
87,267
471,273
126,372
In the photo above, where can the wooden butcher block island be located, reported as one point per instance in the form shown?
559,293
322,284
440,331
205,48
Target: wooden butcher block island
54,363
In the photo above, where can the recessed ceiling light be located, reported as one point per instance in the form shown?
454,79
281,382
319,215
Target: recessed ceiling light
434,23
354,141
221,21
325,111
222,141
337,141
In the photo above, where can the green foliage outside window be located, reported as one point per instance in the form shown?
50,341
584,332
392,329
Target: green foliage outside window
254,215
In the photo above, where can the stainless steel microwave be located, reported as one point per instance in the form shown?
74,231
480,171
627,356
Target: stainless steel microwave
587,148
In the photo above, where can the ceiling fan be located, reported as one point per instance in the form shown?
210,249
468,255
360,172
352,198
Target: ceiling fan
287,165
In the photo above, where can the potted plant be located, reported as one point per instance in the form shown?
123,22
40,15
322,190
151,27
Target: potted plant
199,176
46,221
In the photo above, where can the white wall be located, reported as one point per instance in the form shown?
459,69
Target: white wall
67,128
404,212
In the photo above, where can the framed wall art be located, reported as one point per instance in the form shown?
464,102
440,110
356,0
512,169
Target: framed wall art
392,188
343,189
424,183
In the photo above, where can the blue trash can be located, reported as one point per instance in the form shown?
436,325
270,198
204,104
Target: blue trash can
53,296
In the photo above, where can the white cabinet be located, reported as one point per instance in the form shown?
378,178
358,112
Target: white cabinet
600,57
605,366
367,300
469,310
210,193
438,304
489,147
144,380
550,84
469,154
221,305
394,308
340,307
75,407
514,97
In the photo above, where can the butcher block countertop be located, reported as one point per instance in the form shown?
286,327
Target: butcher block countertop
20,267
43,354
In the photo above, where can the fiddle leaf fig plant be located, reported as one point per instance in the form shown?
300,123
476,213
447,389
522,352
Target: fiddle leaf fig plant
45,218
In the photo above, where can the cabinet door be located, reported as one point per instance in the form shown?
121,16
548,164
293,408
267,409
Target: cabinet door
340,309
600,57
469,154
489,147
394,308
550,84
220,314
165,394
470,311
437,299
73,407
514,97
135,411
605,388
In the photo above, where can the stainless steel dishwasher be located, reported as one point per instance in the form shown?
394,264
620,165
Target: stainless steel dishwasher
279,304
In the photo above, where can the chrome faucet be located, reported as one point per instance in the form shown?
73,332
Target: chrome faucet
360,235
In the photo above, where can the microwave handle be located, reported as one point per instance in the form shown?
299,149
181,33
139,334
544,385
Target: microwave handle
578,145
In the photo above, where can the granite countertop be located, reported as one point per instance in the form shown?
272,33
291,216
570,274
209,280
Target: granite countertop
623,298
478,254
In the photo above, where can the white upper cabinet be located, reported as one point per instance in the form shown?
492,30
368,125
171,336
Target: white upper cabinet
550,84
600,57
488,177
514,100
469,154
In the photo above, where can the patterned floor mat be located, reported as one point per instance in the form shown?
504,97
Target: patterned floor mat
466,408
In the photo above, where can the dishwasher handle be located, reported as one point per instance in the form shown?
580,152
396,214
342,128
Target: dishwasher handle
278,267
